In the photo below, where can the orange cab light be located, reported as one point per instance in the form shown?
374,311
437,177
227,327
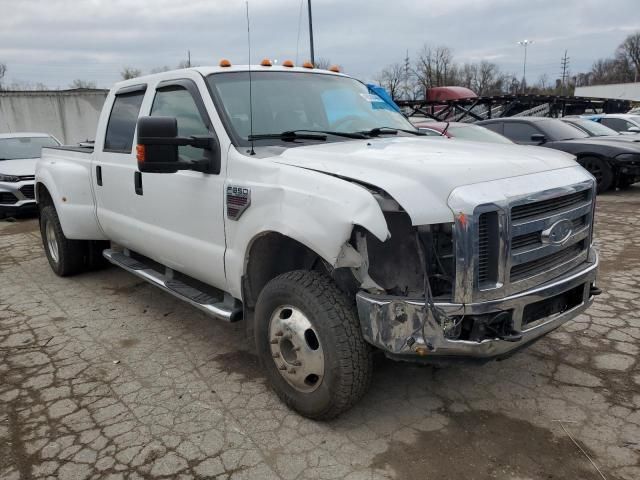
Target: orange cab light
288,63
334,68
225,63
140,152
266,62
307,65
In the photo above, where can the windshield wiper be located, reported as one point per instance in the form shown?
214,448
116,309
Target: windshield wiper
376,132
302,134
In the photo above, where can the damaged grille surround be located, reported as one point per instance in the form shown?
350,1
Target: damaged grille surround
503,296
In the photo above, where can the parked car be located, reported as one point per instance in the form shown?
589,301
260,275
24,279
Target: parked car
18,155
321,217
595,129
620,122
464,131
612,163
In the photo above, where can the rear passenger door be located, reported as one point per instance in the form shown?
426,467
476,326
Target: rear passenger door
115,163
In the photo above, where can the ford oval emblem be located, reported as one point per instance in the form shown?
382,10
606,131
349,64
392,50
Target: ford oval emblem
558,233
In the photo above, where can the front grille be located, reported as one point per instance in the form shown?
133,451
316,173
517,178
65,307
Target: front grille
529,258
550,206
541,265
8,198
28,191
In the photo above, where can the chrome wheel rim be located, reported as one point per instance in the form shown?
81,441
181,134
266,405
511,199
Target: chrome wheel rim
52,241
296,349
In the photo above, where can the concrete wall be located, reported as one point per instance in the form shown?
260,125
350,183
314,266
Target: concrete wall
620,91
69,115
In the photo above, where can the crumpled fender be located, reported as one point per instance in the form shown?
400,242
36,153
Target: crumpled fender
313,208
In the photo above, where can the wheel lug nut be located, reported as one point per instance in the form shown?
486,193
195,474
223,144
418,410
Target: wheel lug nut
292,371
297,363
282,367
279,333
276,355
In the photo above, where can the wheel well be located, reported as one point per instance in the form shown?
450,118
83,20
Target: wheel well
43,195
269,256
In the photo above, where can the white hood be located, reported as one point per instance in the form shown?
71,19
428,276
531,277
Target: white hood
420,173
21,166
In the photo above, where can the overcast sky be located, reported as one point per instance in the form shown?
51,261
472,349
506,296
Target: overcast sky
57,41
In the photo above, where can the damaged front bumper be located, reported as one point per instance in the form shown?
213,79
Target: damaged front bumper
404,330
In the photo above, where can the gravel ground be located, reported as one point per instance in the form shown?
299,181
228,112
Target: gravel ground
102,376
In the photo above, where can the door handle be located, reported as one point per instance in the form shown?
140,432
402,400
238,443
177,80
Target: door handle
99,175
137,182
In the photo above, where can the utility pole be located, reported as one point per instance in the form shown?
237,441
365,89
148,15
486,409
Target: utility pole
524,43
564,63
313,58
188,58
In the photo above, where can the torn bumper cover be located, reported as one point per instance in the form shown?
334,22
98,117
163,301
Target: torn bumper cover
404,329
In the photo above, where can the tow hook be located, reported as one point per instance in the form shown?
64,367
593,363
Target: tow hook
594,291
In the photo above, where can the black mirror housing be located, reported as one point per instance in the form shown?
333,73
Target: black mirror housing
158,142
157,151
538,138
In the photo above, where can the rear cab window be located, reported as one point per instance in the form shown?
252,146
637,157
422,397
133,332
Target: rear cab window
122,120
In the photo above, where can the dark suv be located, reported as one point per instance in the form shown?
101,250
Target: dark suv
613,163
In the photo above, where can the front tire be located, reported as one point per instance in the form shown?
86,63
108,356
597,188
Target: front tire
600,169
309,341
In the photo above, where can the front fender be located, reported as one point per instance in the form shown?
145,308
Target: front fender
313,208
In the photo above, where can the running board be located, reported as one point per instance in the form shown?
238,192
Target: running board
226,310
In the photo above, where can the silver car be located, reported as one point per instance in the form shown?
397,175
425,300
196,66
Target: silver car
19,153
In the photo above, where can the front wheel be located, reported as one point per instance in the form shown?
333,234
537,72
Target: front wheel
309,341
599,169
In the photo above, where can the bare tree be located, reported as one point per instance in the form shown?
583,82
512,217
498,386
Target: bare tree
3,71
435,67
79,83
323,63
392,79
630,49
130,72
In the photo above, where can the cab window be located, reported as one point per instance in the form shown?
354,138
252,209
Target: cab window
122,122
176,101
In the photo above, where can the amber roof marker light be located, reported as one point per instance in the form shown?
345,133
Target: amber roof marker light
334,68
225,63
265,62
288,63
307,65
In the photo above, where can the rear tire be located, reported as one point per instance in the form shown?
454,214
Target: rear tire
600,169
309,341
68,257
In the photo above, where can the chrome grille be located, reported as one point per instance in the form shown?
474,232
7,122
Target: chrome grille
531,256
483,248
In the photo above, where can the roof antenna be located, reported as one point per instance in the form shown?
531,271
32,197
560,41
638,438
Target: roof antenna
252,151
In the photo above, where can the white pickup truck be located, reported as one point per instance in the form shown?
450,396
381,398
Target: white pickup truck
297,201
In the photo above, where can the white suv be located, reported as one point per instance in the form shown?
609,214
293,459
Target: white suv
19,153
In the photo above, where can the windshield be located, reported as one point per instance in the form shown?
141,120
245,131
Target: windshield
594,128
286,101
476,134
24,147
556,130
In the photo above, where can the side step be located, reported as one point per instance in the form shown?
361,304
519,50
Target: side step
227,310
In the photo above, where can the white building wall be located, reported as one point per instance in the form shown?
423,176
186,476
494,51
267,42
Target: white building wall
69,115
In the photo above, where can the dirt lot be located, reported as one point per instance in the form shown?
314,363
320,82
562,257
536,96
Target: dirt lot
102,376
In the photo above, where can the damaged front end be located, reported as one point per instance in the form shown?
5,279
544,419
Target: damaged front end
412,291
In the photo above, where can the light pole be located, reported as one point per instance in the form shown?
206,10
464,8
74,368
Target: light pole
524,43
313,58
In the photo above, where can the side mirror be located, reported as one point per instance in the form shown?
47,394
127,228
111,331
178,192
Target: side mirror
633,129
538,138
158,142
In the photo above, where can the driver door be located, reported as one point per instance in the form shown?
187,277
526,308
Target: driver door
183,211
